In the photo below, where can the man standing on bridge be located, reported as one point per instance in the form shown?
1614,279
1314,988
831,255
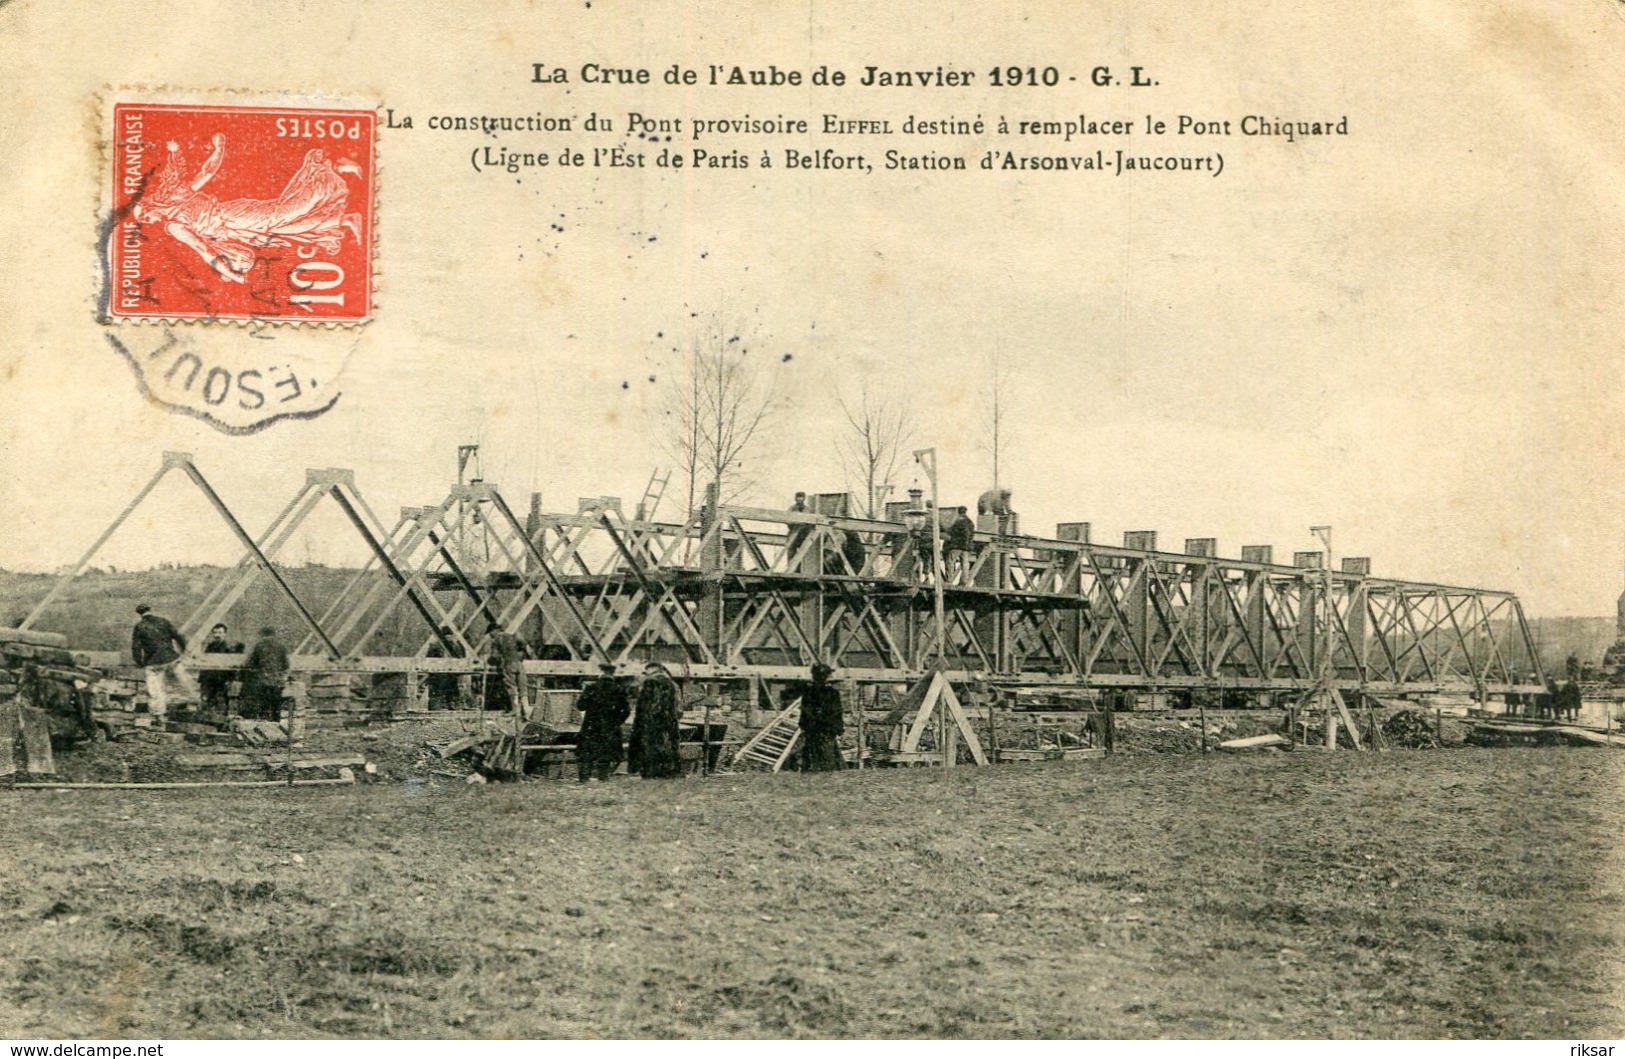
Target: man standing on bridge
960,543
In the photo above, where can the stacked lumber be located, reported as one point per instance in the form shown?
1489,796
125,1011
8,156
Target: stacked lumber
391,694
336,700
259,733
335,693
47,651
39,668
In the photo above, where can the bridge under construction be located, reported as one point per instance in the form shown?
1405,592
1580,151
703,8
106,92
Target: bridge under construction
756,594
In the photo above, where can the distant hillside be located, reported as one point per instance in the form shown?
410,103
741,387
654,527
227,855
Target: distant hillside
1557,638
97,609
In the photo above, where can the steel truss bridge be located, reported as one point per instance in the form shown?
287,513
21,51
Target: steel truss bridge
753,593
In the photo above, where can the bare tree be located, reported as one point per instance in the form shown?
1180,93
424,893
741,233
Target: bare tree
880,430
716,412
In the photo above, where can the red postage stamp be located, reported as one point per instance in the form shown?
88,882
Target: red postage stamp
241,213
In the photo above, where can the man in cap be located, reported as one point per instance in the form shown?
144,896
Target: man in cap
821,723
156,646
605,706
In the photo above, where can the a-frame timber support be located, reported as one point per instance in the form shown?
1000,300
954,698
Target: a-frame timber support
938,710
182,461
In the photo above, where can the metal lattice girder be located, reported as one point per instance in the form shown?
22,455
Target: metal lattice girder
1046,611
743,591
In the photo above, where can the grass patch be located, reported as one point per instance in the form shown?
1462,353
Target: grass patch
1462,894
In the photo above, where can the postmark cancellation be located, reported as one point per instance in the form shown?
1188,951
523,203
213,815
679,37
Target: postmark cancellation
249,213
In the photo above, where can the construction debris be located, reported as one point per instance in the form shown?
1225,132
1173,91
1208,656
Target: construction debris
1256,742
25,741
1411,730
38,672
1489,733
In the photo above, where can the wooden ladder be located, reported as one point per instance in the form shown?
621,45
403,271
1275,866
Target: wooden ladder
771,747
652,494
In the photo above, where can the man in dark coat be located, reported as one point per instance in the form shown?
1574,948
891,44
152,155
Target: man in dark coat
156,646
265,673
604,706
849,559
1569,701
960,544
821,723
216,683
653,745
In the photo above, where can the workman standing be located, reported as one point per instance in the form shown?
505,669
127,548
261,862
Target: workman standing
960,545
156,646
605,706
821,723
654,730
797,532
508,655
216,683
265,675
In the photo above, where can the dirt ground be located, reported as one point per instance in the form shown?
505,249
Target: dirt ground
1461,893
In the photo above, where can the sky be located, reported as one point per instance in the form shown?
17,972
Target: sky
1409,333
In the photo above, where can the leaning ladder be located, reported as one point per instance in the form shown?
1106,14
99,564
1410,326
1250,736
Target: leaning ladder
652,494
770,748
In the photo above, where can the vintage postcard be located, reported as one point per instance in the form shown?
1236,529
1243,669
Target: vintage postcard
812,520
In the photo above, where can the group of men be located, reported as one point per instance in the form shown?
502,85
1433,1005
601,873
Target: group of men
652,749
605,705
958,548
157,646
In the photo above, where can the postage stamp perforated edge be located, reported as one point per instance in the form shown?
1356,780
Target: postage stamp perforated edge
107,220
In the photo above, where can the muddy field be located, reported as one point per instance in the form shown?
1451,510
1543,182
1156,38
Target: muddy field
1468,893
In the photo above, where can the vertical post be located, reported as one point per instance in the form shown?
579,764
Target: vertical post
992,727
705,739
296,702
1325,673
858,717
1201,716
927,458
